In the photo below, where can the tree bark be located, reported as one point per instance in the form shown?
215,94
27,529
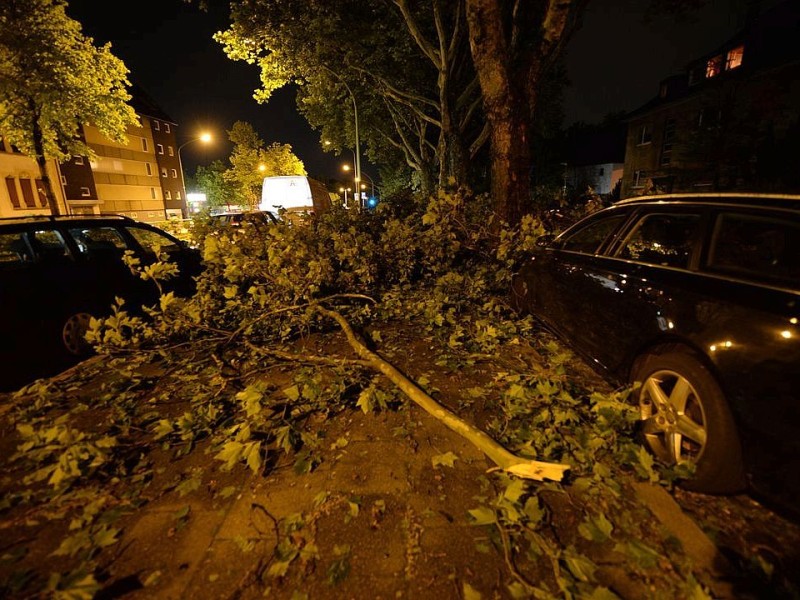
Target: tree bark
41,161
511,49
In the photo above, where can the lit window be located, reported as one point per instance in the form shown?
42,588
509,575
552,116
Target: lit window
714,66
167,195
159,148
163,171
174,174
170,151
734,57
177,195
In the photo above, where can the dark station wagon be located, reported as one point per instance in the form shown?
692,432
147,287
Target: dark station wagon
56,272
696,298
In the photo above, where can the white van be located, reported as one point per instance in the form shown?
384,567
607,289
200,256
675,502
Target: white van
295,194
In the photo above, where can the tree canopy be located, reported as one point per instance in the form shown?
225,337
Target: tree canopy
53,80
237,182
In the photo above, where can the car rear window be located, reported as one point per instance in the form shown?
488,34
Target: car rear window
662,239
759,247
153,241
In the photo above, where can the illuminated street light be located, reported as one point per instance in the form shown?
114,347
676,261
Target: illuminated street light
204,137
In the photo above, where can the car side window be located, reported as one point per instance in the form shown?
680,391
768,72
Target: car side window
760,247
152,241
662,239
589,238
48,245
14,250
97,241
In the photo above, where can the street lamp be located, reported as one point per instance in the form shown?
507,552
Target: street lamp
359,185
203,137
357,160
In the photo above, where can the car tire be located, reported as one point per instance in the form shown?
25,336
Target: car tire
685,417
73,330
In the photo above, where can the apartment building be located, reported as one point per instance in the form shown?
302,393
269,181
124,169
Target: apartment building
728,122
141,178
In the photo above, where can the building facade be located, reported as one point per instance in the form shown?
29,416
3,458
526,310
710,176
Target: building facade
729,122
141,178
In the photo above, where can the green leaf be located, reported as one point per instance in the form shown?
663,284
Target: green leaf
227,491
340,567
250,398
279,568
534,511
581,567
152,579
365,401
447,459
189,485
483,516
642,554
515,490
105,537
293,393
470,593
230,454
73,544
252,455
596,528
603,593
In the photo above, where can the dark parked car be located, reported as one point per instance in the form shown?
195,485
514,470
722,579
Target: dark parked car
697,297
259,218
57,271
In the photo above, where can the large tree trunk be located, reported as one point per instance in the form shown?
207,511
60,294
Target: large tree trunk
41,160
511,158
506,110
512,46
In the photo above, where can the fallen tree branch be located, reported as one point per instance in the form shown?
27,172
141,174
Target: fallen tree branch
509,462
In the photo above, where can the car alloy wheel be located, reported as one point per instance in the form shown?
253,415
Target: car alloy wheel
674,423
73,334
686,419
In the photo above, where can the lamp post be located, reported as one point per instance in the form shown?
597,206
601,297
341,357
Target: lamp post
372,183
359,185
203,137
357,161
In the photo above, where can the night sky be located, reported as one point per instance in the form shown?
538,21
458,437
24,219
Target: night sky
614,62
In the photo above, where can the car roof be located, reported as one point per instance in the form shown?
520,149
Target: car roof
67,219
790,201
